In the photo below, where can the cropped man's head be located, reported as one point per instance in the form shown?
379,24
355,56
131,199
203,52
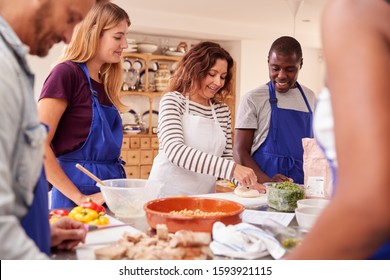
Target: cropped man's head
53,21
284,63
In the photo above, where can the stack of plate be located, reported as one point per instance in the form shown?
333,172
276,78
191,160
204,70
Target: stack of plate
132,46
147,47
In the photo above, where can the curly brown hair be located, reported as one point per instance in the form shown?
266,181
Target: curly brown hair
194,67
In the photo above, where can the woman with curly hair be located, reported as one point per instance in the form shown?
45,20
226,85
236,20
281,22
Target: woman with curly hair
194,127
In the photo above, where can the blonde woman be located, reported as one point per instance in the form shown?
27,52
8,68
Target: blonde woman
79,104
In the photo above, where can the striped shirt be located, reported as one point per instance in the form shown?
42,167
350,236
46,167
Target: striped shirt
171,138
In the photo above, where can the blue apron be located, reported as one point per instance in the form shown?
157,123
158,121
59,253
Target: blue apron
282,150
36,221
99,154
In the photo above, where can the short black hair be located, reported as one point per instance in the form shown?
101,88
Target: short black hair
286,45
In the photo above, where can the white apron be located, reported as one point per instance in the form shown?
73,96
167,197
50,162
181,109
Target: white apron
203,134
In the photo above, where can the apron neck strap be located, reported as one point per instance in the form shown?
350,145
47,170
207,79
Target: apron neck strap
83,67
211,105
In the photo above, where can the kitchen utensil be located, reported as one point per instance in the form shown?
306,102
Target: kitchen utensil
88,173
307,216
90,228
159,211
313,202
126,197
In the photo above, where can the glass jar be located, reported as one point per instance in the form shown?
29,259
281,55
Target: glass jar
162,77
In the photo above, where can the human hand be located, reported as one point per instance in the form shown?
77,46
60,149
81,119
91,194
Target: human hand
96,197
245,175
259,187
66,233
281,178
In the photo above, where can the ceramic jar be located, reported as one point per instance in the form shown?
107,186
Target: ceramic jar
162,77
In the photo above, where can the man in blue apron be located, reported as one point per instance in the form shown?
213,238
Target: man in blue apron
272,119
25,232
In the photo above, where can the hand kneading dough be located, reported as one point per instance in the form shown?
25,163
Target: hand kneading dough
245,192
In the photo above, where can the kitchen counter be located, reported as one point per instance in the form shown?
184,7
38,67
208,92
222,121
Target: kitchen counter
253,214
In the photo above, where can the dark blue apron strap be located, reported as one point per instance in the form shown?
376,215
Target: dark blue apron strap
274,110
308,107
304,97
94,96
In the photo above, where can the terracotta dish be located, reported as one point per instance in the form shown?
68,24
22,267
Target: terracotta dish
158,211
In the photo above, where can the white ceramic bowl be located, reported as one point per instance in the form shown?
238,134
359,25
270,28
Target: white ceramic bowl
312,202
147,47
125,197
307,216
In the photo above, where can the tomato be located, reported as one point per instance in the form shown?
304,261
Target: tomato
94,206
58,213
55,214
101,209
90,204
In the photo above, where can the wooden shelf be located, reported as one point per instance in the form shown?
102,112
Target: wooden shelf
139,150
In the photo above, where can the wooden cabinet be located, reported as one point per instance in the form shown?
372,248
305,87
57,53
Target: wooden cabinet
139,90
138,152
139,149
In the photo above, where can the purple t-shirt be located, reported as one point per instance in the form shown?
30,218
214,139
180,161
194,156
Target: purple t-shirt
68,81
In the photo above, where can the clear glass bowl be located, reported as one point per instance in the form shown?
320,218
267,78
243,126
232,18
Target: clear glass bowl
283,196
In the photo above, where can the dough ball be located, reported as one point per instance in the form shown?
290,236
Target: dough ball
245,192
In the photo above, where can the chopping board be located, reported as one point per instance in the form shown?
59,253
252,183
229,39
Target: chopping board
247,202
101,238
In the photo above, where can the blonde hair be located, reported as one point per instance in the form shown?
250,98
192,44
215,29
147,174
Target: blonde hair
85,43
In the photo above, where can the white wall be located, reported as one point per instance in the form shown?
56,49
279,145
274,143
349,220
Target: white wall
149,22
254,67
41,66
250,57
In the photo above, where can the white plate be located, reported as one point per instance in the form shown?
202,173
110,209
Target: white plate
137,65
131,132
131,40
247,202
126,64
170,53
130,50
153,65
128,117
145,118
151,76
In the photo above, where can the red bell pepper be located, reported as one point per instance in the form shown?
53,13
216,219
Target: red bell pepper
58,213
94,206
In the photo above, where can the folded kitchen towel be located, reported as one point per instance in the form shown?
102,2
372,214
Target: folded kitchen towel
244,241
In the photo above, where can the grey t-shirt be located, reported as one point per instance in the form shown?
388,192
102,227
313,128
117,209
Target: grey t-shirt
254,111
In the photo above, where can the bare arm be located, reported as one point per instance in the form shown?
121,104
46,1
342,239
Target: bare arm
50,111
358,63
242,155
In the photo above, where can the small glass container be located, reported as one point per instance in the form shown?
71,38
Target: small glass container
162,76
283,196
